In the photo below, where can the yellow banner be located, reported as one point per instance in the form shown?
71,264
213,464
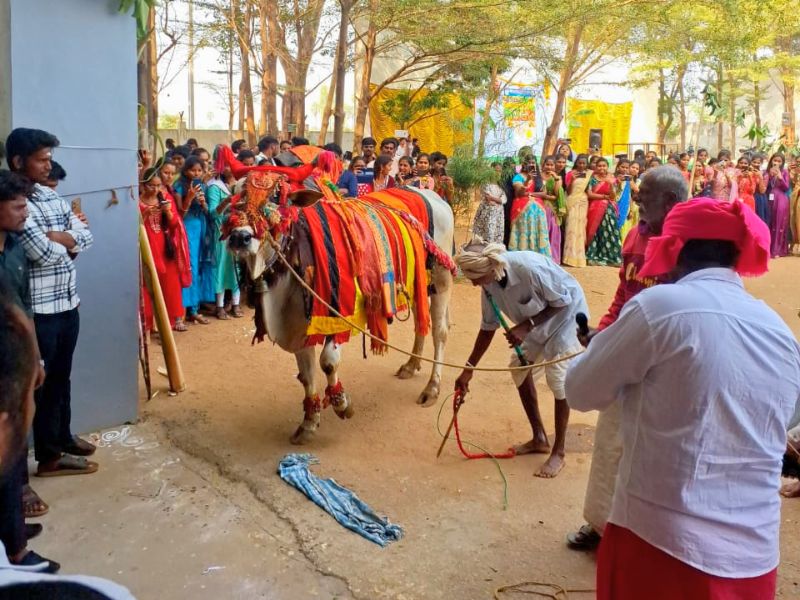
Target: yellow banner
436,129
613,121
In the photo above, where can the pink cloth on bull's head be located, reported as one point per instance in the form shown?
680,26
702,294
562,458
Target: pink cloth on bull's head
708,219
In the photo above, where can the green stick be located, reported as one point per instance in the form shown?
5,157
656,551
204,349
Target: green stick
504,324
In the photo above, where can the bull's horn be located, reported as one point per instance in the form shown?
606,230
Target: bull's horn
304,197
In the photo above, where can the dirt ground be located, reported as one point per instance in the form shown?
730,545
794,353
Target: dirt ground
243,403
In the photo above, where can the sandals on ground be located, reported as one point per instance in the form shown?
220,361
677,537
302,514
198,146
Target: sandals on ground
586,538
32,505
66,465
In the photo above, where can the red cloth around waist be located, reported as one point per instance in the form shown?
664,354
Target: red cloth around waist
628,568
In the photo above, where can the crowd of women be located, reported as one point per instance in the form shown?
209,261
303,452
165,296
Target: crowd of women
182,202
575,209
578,212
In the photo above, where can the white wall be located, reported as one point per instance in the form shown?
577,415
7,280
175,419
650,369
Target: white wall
73,73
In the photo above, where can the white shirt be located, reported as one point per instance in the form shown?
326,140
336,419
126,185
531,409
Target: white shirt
534,283
14,575
708,378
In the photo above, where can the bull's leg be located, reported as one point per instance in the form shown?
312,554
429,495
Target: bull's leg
329,360
312,405
440,301
413,364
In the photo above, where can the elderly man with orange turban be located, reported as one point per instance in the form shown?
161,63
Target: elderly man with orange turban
708,378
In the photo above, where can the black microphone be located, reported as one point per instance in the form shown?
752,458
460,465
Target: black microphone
583,323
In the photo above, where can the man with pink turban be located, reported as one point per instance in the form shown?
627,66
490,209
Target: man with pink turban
708,378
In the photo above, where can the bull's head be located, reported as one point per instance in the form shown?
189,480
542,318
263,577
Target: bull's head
260,216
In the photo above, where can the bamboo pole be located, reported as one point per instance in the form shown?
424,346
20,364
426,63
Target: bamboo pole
696,148
173,362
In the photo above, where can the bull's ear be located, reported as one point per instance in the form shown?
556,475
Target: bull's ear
304,197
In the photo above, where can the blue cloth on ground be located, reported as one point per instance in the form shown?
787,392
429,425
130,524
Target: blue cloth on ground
342,504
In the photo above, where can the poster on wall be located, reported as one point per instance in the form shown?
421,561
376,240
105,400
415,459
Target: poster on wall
517,119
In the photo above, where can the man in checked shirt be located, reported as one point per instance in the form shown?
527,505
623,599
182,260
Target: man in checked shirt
53,236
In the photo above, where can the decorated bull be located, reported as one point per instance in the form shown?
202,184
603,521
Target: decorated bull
372,259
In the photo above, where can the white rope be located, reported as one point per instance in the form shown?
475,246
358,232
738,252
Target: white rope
357,327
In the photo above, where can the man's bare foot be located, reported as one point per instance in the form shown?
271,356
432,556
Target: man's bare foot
533,447
551,467
791,490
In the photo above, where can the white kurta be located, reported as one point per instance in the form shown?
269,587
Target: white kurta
708,378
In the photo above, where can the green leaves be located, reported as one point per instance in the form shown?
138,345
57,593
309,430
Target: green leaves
711,101
140,10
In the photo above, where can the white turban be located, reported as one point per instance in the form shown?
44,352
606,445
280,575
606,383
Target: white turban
478,258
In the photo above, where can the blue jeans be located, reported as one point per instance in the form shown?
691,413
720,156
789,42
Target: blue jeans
57,335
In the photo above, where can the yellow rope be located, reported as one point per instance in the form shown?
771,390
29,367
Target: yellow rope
357,327
557,593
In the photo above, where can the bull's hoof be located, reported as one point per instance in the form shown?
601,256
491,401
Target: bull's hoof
407,370
344,410
302,436
429,396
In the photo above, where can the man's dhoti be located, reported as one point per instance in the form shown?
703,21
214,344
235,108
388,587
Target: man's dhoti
605,462
628,568
555,374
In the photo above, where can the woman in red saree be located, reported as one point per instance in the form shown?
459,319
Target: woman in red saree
603,246
169,247
747,181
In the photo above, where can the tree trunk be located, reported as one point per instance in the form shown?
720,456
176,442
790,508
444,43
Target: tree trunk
340,72
270,78
364,94
564,83
682,96
244,59
231,103
757,102
661,109
152,51
241,104
732,113
720,123
267,17
790,129
491,98
305,21
291,118
244,41
789,117
299,103
327,112
147,87
143,98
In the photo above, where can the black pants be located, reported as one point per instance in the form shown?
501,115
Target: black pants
12,518
57,335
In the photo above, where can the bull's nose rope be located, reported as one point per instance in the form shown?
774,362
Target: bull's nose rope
357,327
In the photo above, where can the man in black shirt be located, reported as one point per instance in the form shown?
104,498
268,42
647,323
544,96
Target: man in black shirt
15,281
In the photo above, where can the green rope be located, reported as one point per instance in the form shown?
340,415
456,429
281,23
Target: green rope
481,448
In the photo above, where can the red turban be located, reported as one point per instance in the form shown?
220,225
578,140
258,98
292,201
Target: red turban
707,219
